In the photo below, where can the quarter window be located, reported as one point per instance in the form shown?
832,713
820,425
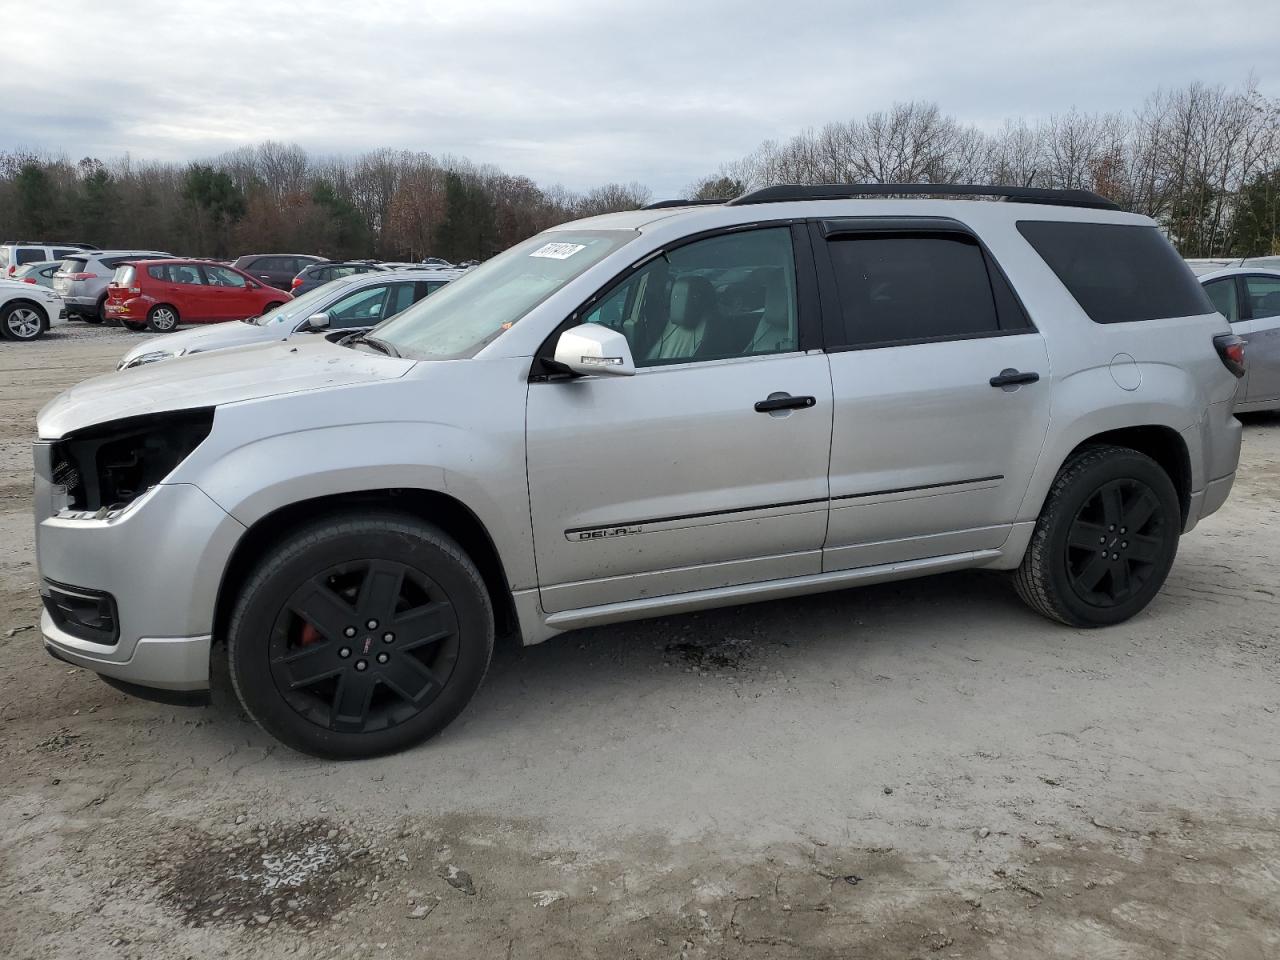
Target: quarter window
32,255
1224,297
1264,296
906,289
727,296
1118,273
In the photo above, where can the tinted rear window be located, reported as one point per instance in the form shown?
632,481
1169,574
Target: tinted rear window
30,255
1118,273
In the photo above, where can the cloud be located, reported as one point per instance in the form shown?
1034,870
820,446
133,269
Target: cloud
582,93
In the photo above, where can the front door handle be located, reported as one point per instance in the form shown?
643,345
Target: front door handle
784,402
1012,378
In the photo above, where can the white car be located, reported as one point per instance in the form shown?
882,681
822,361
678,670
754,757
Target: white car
351,303
1249,297
27,310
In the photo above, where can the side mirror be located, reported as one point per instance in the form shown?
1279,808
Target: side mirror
592,350
317,321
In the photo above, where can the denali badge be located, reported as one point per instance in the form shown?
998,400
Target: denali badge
602,533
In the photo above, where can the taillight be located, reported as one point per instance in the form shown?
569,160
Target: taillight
82,276
1231,349
297,281
28,280
12,269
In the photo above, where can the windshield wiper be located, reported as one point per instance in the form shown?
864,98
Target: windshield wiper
380,345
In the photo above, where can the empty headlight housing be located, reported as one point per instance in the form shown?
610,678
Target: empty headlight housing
112,464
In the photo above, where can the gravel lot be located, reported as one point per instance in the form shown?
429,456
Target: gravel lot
923,769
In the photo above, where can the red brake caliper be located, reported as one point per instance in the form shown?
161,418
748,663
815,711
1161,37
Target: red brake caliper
309,635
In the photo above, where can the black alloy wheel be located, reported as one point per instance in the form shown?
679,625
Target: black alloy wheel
360,634
1116,541
364,646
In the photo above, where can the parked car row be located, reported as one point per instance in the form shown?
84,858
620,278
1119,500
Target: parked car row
346,306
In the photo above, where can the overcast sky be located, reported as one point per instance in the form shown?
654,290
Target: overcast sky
583,92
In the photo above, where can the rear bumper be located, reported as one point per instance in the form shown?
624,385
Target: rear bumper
1209,500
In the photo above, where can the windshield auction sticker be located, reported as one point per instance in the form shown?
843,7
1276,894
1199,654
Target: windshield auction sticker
558,251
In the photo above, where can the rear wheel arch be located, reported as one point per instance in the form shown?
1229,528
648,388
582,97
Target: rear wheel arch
451,515
1162,444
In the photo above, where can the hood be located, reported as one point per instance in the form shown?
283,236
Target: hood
210,379
213,337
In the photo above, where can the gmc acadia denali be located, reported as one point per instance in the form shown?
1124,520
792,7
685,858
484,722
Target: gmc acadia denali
670,409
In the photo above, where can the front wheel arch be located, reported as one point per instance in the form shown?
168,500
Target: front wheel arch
451,515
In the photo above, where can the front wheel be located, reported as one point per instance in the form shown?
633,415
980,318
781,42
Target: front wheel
21,321
1105,540
360,635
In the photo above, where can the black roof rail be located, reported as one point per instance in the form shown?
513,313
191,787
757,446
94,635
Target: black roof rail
664,204
840,191
51,243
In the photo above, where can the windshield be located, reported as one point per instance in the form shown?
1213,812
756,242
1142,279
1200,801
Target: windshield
476,308
300,308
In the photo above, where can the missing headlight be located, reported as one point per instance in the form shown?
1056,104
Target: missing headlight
112,464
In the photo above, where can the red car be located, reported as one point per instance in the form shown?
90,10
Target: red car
159,294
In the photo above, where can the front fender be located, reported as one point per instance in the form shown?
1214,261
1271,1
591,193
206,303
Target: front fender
322,448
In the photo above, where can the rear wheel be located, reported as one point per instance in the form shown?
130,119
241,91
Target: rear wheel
99,312
1105,540
360,635
22,321
162,318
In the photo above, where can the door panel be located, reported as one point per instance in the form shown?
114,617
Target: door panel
927,457
670,481
1262,336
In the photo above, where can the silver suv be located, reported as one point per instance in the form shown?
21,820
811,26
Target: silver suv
641,414
83,277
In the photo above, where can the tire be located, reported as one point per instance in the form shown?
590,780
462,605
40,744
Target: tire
22,321
332,686
100,311
162,318
1101,492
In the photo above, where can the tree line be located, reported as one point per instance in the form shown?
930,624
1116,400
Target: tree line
1202,160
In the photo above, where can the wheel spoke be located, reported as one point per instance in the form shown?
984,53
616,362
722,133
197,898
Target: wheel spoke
425,624
1119,579
1140,511
351,701
310,664
324,610
1086,535
1144,548
1113,504
409,678
380,591
1093,571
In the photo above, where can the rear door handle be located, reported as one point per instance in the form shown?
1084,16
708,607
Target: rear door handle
784,402
1012,378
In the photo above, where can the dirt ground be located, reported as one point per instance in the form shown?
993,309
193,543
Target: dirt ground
917,770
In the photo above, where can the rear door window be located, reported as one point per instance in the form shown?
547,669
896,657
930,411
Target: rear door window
222,277
898,289
59,254
183,273
1118,273
1264,296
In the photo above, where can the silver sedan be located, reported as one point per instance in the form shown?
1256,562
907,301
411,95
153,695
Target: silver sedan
1249,297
